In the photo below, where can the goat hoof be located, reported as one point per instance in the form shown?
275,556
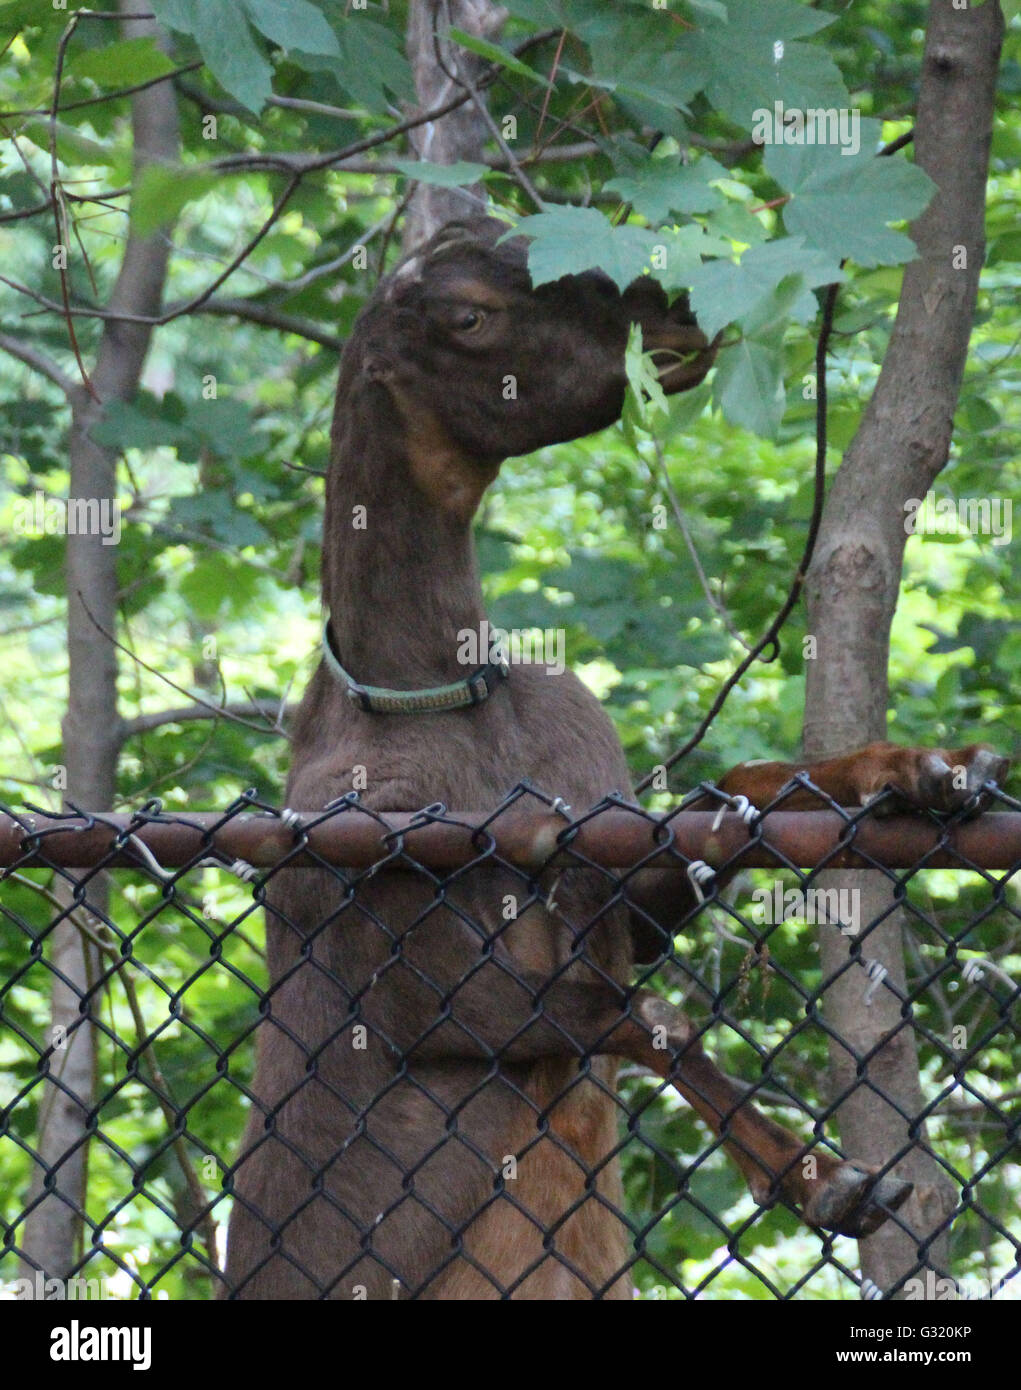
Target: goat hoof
985,766
852,1201
942,787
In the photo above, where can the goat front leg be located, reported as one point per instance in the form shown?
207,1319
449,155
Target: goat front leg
927,779
934,779
839,1195
521,1016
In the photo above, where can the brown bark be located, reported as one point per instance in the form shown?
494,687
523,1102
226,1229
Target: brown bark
91,734
461,134
852,590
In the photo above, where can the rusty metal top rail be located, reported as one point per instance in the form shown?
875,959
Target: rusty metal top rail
613,836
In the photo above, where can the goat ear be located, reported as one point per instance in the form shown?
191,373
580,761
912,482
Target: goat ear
451,239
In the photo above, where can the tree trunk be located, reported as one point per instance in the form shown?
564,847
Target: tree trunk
90,727
852,590
461,134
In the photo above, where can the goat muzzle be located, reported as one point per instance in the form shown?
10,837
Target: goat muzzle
682,354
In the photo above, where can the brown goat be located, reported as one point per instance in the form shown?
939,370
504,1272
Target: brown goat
373,1160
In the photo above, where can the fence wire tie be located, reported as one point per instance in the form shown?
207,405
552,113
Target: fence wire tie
740,805
870,1291
143,850
292,819
551,896
150,859
974,973
559,807
245,871
699,872
877,973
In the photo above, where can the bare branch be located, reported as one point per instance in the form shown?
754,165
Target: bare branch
307,164
234,709
210,710
317,108
38,361
60,214
716,604
103,199
297,166
462,78
47,111
270,317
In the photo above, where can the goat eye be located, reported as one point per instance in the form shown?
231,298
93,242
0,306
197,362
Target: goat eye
470,321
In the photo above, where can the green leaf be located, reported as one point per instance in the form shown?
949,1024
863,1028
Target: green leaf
645,397
844,203
734,221
569,240
216,582
231,53
215,514
122,64
176,14
45,556
495,54
712,8
678,254
686,407
723,293
136,425
748,385
664,186
754,59
372,67
161,191
72,147
445,175
638,55
293,24
223,426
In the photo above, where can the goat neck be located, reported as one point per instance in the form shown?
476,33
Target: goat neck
400,578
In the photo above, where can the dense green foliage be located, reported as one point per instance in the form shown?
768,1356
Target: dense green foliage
218,559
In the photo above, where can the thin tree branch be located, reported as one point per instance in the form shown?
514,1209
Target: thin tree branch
317,108
769,637
60,214
463,80
48,111
211,710
254,312
22,214
547,95
716,604
187,306
38,361
234,709
297,167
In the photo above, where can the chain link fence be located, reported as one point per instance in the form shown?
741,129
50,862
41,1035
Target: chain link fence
135,984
